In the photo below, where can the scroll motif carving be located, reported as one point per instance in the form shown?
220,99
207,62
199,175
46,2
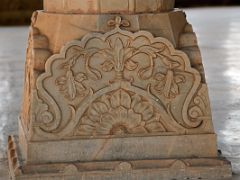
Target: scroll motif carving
200,110
41,112
105,83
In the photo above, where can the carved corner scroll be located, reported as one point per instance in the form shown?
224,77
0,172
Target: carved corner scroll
121,83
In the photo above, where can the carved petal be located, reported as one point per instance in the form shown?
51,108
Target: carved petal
94,118
121,114
106,100
138,130
100,107
106,125
61,80
145,109
79,86
175,89
134,119
125,99
155,127
179,78
159,77
115,99
61,83
85,130
87,121
97,109
135,100
80,77
120,98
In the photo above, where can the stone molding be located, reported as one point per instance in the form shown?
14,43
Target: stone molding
108,6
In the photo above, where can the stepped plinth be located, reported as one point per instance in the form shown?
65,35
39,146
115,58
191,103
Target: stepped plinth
114,90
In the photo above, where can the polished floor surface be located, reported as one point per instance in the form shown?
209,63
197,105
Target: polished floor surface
218,31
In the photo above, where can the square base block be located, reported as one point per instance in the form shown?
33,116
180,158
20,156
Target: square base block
194,168
150,169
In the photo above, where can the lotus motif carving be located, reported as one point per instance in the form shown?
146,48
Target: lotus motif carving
120,113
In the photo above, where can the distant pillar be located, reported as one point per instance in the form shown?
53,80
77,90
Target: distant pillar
114,89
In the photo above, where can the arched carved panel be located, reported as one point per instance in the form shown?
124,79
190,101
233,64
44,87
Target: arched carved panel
122,68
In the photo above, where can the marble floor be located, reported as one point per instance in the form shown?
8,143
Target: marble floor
218,31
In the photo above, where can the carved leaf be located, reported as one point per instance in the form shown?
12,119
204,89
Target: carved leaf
151,51
170,63
129,52
167,84
93,73
146,73
107,66
71,86
131,65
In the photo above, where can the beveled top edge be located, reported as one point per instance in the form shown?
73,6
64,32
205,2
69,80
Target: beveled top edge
108,6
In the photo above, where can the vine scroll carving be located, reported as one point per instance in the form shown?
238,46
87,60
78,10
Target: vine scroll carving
121,83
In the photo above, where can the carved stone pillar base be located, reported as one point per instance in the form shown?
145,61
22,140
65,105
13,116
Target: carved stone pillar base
114,91
177,168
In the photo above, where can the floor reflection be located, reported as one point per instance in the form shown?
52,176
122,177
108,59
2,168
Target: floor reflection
218,30
12,56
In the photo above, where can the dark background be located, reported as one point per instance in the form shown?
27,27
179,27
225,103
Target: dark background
18,12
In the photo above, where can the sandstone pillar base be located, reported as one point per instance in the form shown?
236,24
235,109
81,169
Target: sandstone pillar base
114,90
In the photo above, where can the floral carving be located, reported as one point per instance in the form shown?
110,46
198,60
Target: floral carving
168,82
200,110
120,113
121,83
71,84
41,114
119,56
118,21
